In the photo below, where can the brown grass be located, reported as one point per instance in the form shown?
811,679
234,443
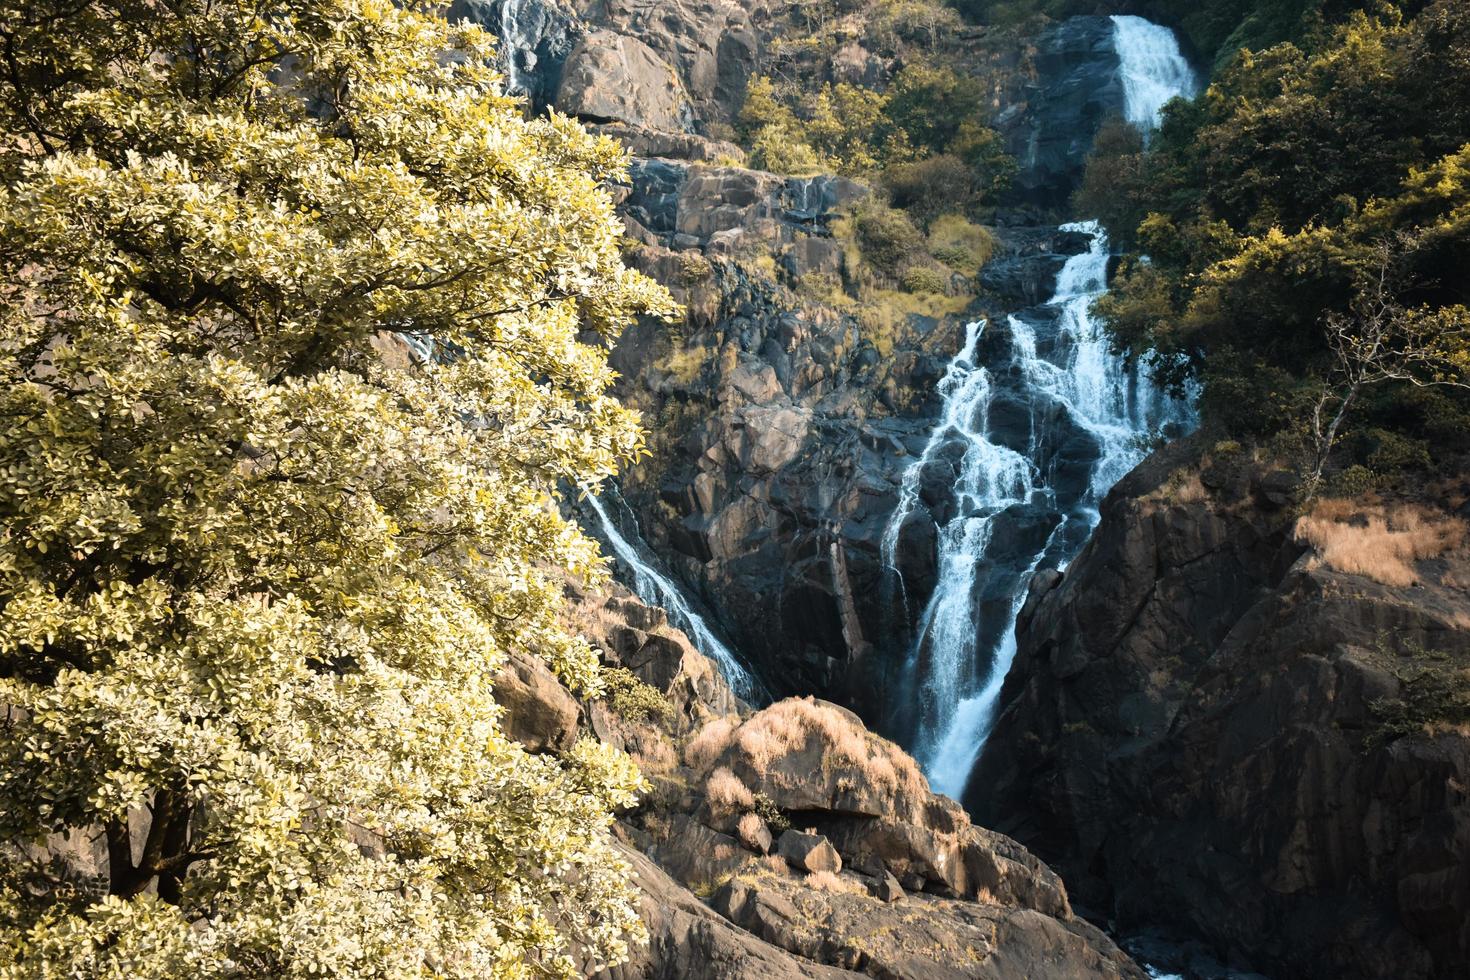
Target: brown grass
726,792
749,828
826,881
776,863
786,726
1378,542
709,743
653,752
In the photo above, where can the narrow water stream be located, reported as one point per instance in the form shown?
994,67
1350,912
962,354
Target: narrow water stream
657,589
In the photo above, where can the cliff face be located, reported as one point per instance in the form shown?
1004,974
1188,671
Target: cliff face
781,422
1210,730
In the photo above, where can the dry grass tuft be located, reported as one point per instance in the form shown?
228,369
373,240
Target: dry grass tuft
709,743
826,881
787,726
776,863
1378,542
726,792
653,752
749,828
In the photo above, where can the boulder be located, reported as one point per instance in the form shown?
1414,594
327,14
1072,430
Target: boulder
688,939
610,77
809,852
921,938
539,713
754,833
886,888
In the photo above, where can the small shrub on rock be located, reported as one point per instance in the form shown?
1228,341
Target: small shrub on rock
633,699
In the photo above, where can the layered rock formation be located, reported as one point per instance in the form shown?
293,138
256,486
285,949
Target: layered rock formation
783,424
1212,731
817,847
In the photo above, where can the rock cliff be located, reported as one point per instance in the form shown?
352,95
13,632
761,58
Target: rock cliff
792,842
1212,730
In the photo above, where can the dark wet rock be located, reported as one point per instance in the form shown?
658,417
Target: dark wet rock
1193,733
1076,90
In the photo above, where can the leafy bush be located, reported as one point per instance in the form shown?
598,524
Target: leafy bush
888,238
632,698
930,187
960,244
1266,207
694,268
925,279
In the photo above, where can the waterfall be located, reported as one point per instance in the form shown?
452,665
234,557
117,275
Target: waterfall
657,589
513,46
1152,68
1058,364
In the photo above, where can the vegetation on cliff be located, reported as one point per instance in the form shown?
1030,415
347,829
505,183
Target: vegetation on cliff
256,578
1311,210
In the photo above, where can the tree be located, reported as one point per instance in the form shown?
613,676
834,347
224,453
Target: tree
256,575
1380,340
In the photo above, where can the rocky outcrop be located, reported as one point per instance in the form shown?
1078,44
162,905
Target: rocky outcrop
711,44
1210,730
1075,88
539,713
921,937
824,900
610,77
689,939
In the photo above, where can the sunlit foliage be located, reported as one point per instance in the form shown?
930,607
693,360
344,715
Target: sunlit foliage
258,570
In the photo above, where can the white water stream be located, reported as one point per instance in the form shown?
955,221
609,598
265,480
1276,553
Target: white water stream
656,589
1113,402
512,43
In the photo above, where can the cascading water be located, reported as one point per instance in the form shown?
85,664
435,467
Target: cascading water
513,46
656,589
1152,69
1056,362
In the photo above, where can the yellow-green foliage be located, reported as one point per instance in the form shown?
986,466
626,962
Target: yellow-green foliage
960,244
255,580
633,699
885,314
685,364
694,268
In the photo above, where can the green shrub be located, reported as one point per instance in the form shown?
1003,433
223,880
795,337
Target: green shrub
1390,452
888,238
1351,482
694,268
633,699
766,809
925,279
960,243
929,187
